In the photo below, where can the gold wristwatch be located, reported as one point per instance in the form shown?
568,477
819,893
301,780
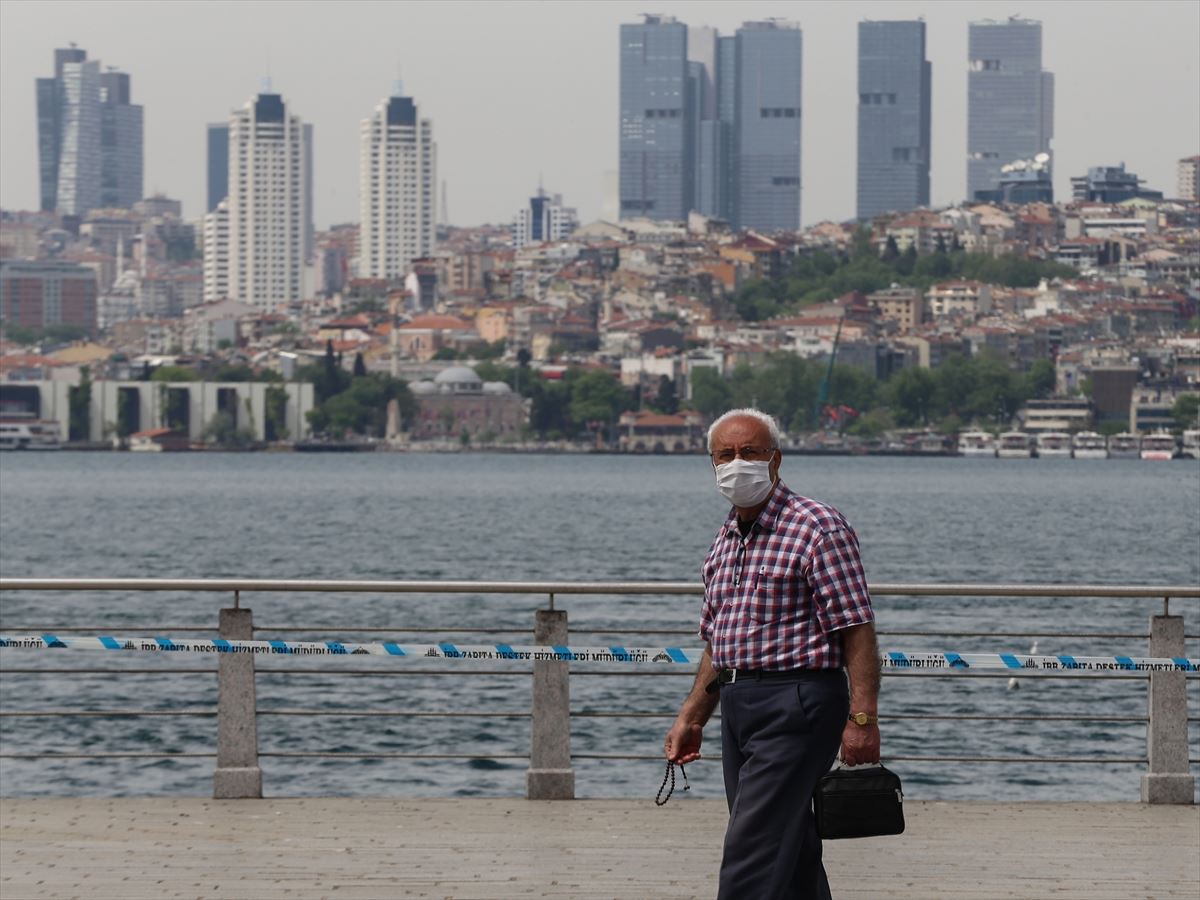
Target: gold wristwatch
862,718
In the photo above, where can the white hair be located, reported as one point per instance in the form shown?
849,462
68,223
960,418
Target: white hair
747,412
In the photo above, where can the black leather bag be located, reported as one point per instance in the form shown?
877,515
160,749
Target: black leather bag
859,802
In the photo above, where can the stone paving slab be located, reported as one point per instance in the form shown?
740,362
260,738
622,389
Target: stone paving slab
369,849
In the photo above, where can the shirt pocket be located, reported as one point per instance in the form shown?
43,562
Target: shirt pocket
777,596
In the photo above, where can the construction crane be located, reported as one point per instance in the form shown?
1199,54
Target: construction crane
823,389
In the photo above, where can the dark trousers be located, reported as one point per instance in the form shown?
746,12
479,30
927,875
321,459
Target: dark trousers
778,737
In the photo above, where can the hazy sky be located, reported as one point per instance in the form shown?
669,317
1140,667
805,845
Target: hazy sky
522,90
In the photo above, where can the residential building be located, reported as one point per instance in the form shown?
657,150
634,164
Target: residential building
38,293
902,305
215,239
1189,178
766,142
217,169
543,219
1010,99
657,145
894,89
397,172
268,209
959,298
89,137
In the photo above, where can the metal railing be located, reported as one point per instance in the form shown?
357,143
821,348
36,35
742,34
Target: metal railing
550,774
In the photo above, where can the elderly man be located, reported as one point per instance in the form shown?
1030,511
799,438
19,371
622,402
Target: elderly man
786,618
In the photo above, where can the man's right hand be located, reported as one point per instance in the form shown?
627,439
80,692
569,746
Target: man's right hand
682,745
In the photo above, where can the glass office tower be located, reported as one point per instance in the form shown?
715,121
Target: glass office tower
1010,99
893,118
766,144
657,138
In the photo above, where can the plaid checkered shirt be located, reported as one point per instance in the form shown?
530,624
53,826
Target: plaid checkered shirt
776,598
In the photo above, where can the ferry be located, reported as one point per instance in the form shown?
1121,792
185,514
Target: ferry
1015,445
1191,443
1124,446
1158,446
1054,445
1089,445
976,443
29,434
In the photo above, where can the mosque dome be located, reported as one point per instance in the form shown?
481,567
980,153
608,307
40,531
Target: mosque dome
496,387
458,380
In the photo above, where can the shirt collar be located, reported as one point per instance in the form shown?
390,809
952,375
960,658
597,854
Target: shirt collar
767,516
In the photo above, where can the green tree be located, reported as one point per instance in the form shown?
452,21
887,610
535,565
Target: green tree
1041,379
596,396
711,394
666,400
360,366
19,334
222,431
174,373
79,402
1186,411
275,415
910,396
362,407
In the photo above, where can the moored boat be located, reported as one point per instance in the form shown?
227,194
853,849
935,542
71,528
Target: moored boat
1015,445
1054,445
976,443
1191,443
1089,445
1158,446
22,433
1124,446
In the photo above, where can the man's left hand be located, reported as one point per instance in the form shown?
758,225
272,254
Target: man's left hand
860,744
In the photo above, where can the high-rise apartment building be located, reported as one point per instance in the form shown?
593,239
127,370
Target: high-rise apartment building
1188,186
1010,100
263,229
766,142
89,137
894,86
217,164
711,123
657,136
397,193
543,219
39,293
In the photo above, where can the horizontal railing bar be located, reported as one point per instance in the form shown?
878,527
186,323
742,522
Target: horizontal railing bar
575,630
890,757
147,754
587,714
94,713
576,673
226,585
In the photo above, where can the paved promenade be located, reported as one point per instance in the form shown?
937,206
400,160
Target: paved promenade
370,849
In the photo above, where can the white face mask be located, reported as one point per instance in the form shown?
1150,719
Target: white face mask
744,483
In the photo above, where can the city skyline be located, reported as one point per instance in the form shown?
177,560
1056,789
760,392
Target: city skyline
504,123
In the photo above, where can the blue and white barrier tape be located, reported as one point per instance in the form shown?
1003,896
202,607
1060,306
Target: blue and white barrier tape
501,652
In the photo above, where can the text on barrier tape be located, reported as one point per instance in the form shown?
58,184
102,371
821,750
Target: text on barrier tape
499,652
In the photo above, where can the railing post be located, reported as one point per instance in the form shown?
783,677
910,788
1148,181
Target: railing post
1168,780
550,776
238,775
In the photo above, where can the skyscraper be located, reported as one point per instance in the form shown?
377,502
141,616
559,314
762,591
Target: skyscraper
121,162
398,174
264,229
89,137
893,118
1010,99
217,169
657,137
766,143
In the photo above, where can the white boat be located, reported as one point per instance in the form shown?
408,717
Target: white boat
976,443
1089,445
1124,446
1015,445
1054,445
1191,443
1158,446
29,434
